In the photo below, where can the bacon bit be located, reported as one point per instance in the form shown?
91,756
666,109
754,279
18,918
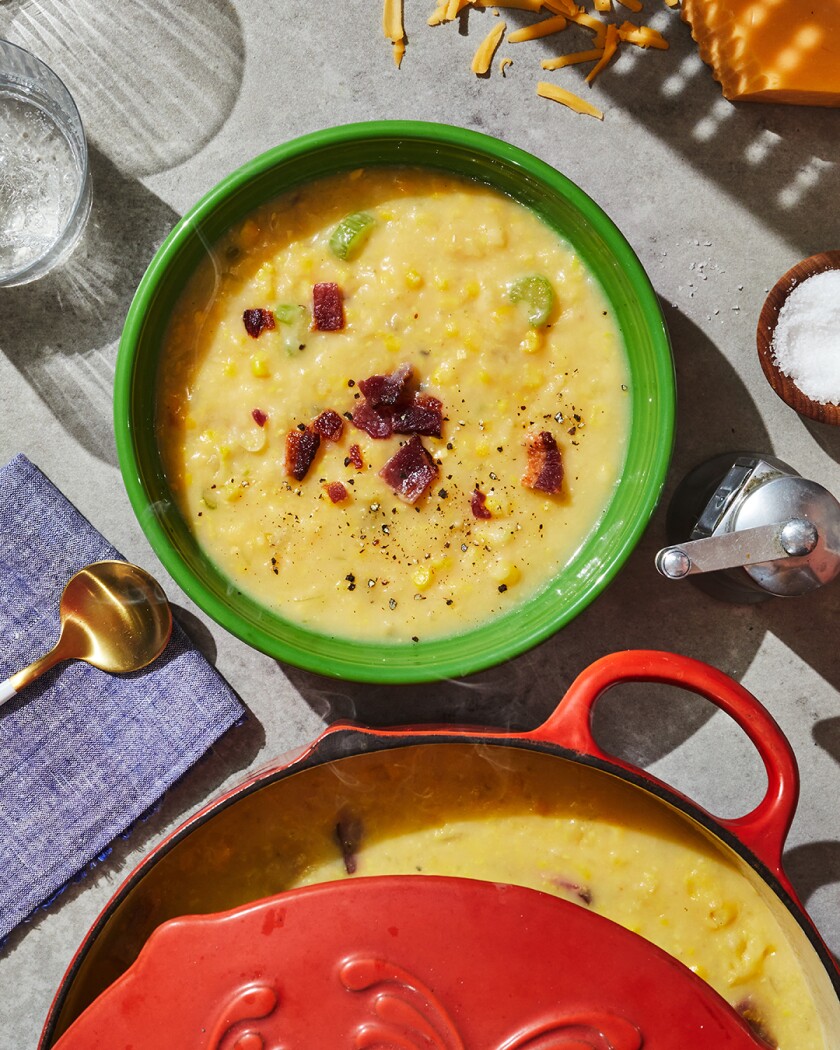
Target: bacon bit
423,416
545,465
259,417
354,455
336,491
258,321
391,391
301,446
410,471
348,835
477,505
327,307
746,1009
583,893
377,424
329,425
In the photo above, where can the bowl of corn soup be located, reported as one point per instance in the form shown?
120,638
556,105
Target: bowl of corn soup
394,402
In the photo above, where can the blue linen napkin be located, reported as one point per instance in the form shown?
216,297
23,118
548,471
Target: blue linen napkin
83,753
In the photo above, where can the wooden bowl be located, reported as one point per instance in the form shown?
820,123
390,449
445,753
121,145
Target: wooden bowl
784,386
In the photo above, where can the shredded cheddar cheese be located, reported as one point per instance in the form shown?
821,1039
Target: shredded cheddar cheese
392,26
642,36
555,24
610,45
607,36
566,98
486,49
520,5
573,59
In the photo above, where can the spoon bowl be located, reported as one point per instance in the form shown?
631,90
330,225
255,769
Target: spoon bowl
114,616
784,386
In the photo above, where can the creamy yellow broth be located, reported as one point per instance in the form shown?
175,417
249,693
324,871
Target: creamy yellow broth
431,288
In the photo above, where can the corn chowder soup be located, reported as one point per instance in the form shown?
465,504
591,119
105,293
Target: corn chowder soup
393,404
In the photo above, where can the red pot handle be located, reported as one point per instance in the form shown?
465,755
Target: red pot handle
764,829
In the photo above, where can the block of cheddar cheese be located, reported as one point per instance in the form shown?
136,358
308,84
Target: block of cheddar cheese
770,50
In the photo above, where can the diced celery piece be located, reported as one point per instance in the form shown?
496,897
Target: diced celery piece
536,291
350,234
289,313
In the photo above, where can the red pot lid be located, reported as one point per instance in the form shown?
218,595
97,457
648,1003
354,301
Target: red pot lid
406,963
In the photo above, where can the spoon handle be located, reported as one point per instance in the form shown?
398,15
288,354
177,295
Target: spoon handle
13,685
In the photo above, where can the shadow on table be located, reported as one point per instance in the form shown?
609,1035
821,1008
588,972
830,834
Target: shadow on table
61,332
161,79
778,161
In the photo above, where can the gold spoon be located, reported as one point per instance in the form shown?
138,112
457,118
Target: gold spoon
113,616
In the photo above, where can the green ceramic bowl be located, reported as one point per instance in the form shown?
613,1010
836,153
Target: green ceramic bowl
563,206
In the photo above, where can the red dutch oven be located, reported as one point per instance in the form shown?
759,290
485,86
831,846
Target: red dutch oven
241,848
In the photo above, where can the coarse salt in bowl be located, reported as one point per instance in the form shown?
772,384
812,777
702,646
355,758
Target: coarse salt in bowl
798,337
806,341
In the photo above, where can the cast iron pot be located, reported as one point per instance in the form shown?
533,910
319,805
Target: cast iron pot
240,848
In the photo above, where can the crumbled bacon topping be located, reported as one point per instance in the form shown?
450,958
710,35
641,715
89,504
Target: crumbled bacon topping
327,307
301,446
390,391
423,416
376,423
257,321
354,456
392,406
329,425
259,417
478,505
410,471
336,491
545,465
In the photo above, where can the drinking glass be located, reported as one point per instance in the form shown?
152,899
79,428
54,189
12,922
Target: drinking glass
44,176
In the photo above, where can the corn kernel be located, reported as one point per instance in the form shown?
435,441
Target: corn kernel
532,342
451,329
393,343
441,282
506,572
422,578
413,278
443,561
484,376
249,233
224,451
229,368
501,313
386,216
482,448
259,366
498,508
208,435
472,289
471,343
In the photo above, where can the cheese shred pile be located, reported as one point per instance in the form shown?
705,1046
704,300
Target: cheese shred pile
607,37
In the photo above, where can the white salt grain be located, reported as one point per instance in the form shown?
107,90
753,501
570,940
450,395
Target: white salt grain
806,343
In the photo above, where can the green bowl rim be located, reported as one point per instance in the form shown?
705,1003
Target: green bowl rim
398,662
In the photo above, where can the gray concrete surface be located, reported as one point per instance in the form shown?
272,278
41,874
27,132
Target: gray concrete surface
717,200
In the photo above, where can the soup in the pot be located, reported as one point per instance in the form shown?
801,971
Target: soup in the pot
392,404
504,814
